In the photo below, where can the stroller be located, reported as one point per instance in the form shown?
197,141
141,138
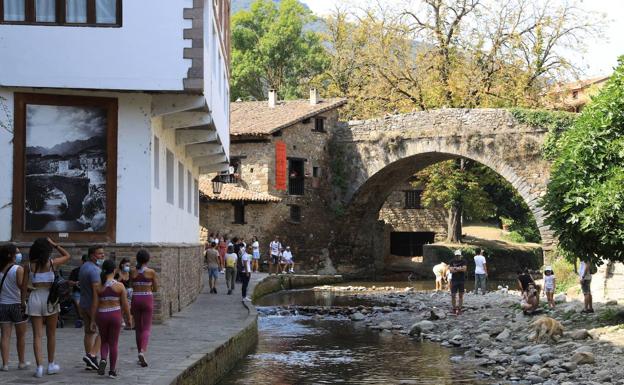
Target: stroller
66,305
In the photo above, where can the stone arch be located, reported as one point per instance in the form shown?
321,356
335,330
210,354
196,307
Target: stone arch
74,188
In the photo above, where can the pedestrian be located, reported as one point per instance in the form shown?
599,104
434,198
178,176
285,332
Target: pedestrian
524,279
255,245
440,271
144,285
89,279
246,272
112,301
480,272
585,278
40,273
275,248
122,275
12,304
212,260
74,282
530,299
289,263
458,268
222,250
549,286
211,238
231,260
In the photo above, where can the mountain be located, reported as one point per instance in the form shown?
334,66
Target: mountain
69,148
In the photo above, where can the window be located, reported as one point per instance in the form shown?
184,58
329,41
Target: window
316,172
189,192
94,13
181,185
295,213
296,180
156,162
196,196
239,213
319,124
169,177
412,199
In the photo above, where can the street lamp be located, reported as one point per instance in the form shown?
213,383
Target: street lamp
217,184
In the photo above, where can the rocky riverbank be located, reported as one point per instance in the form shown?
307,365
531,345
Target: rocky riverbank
494,333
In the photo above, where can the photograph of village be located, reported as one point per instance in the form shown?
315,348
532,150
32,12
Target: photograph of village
65,177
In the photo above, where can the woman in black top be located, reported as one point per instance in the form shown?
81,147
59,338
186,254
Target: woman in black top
524,279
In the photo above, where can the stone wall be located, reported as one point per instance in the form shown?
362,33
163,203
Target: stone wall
179,268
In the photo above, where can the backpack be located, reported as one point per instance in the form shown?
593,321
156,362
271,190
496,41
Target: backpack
60,291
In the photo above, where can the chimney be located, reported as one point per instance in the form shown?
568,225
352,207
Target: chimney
314,96
272,98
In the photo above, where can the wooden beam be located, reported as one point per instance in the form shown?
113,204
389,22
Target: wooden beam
209,160
195,135
169,104
187,120
214,168
203,149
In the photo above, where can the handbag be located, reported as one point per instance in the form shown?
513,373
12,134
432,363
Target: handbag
60,289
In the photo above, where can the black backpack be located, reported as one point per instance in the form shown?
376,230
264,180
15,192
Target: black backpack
60,291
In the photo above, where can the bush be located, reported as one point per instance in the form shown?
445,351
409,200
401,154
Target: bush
565,274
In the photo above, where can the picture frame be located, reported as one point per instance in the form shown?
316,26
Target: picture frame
65,168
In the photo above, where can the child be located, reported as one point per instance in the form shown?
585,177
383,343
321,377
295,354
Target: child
549,286
289,265
530,300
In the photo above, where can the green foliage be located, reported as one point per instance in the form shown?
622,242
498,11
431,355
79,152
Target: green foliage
611,316
271,49
586,191
555,121
565,274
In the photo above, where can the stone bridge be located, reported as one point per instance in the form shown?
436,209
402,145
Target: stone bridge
377,155
74,188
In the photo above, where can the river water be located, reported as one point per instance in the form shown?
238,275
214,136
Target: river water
297,349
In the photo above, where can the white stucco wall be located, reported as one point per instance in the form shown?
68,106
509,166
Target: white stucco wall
146,53
143,214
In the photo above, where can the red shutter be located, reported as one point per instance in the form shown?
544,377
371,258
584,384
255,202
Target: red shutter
280,166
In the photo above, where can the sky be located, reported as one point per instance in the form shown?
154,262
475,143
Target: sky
601,55
47,126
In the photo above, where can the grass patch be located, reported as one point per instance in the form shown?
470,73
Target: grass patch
565,275
612,316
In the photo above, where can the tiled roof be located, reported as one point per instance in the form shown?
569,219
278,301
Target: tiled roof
577,85
232,192
257,118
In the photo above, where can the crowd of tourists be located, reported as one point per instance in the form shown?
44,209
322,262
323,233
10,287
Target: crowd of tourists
237,260
454,275
104,293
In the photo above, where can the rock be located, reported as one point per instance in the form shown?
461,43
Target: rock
584,348
612,302
544,373
533,379
358,316
560,298
532,359
419,327
579,334
583,358
504,335
437,314
569,366
604,375
385,325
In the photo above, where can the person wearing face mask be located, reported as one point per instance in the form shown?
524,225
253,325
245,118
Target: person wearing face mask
89,278
145,284
122,275
12,304
74,278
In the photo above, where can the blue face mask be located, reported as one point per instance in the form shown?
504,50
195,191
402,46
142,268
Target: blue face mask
99,262
18,258
126,269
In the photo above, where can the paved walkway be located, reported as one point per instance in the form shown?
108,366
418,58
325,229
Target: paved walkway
200,328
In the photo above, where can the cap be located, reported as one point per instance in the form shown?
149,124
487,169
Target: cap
548,268
457,252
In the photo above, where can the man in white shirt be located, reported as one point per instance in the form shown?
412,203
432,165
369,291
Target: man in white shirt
480,272
585,281
289,264
274,255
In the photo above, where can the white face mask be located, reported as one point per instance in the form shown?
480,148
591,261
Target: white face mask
18,258
126,269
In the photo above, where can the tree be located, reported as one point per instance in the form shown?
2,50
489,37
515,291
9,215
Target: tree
585,194
272,50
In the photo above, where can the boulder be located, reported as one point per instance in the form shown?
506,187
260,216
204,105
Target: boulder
569,366
579,334
358,316
583,358
544,373
437,314
532,359
504,335
419,327
385,325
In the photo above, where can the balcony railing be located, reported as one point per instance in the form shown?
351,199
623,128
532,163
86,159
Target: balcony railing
296,186
229,178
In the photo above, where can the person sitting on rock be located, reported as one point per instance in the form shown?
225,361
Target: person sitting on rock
440,271
530,299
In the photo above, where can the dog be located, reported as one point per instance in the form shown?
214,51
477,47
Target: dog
546,329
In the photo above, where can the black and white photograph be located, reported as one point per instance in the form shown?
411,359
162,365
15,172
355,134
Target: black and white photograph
65,168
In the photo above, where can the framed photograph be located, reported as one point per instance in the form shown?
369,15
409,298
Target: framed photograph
65,173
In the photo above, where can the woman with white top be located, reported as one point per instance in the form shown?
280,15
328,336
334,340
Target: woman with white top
40,275
246,275
549,286
12,304
255,246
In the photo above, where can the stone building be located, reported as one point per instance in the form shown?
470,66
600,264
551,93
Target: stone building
572,97
279,179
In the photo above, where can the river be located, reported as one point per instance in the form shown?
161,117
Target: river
296,349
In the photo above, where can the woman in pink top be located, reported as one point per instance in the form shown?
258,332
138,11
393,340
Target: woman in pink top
223,245
144,284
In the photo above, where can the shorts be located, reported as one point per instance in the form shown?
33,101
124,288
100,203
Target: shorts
549,290
586,286
76,296
256,254
438,277
38,304
12,313
457,287
213,272
275,259
86,317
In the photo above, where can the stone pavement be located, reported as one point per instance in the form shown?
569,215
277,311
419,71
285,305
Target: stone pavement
199,329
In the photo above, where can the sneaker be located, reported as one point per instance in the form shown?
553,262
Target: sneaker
39,372
215,290
102,368
247,299
229,292
92,363
5,368
142,361
53,368
23,365
112,374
